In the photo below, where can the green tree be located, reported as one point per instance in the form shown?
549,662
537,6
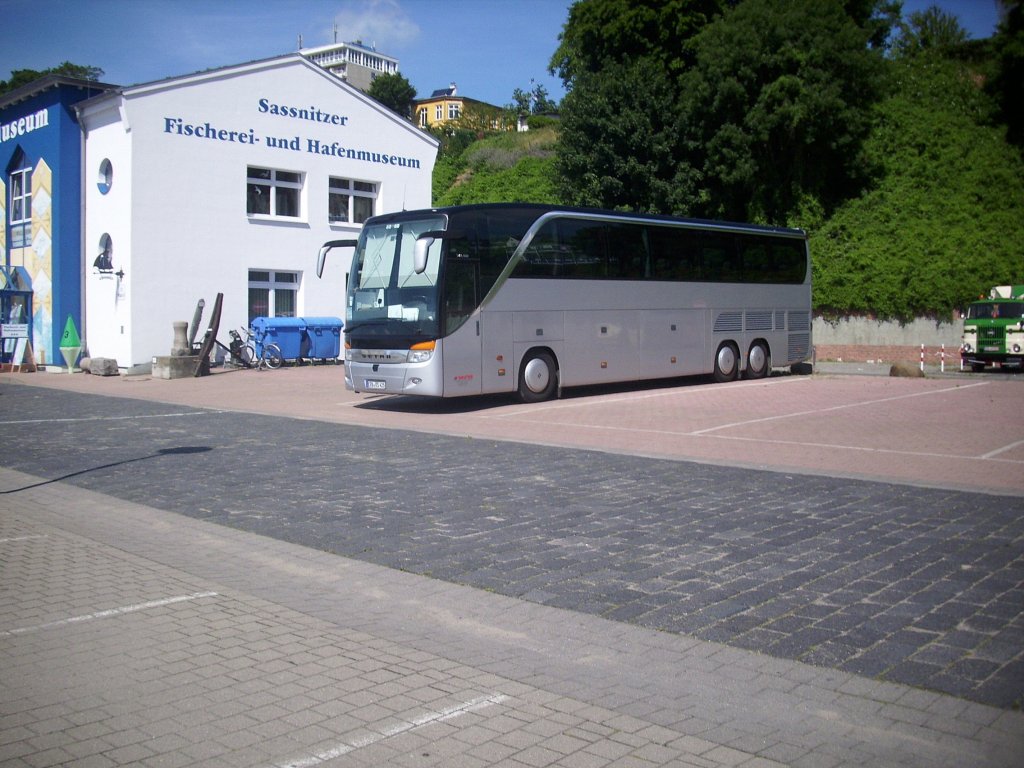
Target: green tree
394,92
535,102
620,61
930,30
20,77
748,110
602,33
776,108
1008,83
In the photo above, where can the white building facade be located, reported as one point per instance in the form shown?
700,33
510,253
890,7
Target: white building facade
229,181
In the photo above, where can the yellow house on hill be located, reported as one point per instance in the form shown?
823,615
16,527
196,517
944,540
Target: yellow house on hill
446,106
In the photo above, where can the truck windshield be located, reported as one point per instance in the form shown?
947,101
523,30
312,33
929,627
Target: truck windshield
386,296
995,310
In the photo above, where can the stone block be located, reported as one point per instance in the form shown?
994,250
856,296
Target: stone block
103,366
175,366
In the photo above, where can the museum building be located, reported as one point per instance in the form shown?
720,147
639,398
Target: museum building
225,182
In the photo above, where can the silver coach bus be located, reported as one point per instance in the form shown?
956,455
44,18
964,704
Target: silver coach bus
532,298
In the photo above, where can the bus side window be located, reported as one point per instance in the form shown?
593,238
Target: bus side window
674,253
719,257
627,252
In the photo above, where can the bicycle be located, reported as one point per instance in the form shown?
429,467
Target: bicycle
243,352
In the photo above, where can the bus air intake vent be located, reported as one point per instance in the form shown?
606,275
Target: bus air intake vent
759,321
729,321
799,321
780,321
799,346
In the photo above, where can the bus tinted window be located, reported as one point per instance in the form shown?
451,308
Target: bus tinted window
772,260
627,252
566,248
575,248
674,254
492,237
719,259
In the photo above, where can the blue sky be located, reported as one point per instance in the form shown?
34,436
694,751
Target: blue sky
488,47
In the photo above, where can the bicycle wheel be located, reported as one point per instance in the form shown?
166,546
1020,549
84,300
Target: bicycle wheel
272,357
247,355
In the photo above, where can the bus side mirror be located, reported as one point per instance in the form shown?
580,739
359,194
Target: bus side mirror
420,249
322,257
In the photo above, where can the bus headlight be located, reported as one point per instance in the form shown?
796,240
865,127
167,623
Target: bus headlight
1016,348
421,353
968,348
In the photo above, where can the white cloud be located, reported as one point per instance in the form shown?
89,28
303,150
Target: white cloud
383,24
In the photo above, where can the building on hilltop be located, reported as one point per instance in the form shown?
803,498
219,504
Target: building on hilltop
446,107
355,63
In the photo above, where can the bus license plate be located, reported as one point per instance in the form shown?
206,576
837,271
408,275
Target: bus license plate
374,384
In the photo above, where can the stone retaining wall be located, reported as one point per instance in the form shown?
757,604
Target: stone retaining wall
862,340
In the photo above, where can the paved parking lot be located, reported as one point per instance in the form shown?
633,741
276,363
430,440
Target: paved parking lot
860,585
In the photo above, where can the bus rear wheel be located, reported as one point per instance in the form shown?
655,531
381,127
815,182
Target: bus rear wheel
538,378
727,363
759,361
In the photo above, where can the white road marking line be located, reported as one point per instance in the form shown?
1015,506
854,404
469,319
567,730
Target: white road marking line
634,397
844,406
868,449
107,613
23,538
108,418
426,719
1004,449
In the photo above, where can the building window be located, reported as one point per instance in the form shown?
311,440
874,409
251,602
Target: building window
272,294
21,207
106,177
438,113
350,201
423,118
270,192
453,111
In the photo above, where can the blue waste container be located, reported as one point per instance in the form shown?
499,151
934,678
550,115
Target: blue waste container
324,337
287,332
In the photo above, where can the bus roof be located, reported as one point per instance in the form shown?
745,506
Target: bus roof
542,208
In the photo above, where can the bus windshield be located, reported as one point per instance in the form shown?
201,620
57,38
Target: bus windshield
386,295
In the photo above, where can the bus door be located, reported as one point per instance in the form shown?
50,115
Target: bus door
461,339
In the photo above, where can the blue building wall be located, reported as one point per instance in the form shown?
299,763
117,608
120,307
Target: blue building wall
39,130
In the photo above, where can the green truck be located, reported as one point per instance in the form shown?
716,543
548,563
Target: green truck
994,330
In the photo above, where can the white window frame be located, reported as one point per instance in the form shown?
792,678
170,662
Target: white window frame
21,179
454,110
357,191
288,280
19,183
276,182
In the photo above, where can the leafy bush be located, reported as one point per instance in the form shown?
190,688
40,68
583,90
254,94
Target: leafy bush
945,219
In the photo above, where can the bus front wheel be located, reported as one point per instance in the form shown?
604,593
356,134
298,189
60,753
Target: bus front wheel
727,365
538,378
759,361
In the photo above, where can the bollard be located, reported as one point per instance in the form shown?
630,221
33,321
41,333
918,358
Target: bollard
942,359
922,357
